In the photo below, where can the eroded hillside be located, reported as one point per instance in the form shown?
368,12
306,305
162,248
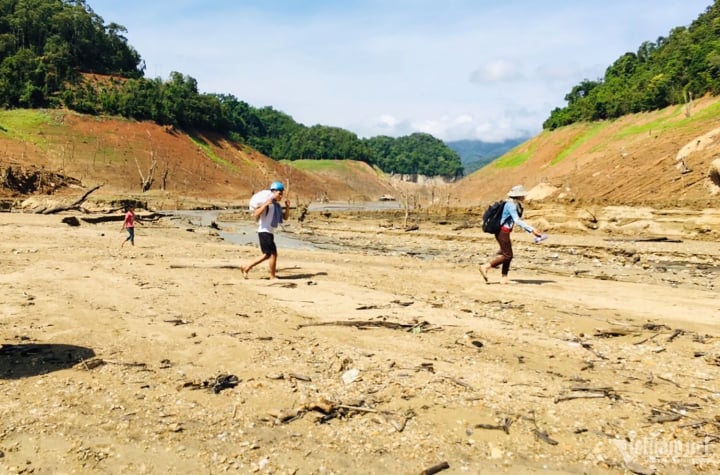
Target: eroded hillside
668,158
664,158
47,149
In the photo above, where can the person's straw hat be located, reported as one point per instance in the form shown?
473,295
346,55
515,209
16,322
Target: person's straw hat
517,191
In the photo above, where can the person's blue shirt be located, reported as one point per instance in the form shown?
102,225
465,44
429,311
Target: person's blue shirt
510,217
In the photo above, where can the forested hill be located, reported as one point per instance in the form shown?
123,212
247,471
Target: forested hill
669,71
60,54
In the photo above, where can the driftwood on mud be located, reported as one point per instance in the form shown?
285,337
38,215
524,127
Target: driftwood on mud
669,381
459,382
645,340
539,433
505,426
661,418
97,362
178,321
613,332
700,423
106,218
544,436
673,411
75,205
222,266
214,384
363,324
570,397
588,346
331,410
648,239
588,392
435,469
71,221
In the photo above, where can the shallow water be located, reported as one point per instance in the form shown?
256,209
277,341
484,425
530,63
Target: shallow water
243,233
246,235
362,206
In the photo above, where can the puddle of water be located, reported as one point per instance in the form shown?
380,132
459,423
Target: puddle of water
364,206
243,233
246,235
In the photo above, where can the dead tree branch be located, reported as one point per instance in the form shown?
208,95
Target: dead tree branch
75,205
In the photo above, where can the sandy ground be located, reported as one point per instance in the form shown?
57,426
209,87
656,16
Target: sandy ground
379,352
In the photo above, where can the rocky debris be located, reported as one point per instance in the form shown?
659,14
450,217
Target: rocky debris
34,180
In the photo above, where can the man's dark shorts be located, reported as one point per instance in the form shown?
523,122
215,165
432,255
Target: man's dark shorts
267,243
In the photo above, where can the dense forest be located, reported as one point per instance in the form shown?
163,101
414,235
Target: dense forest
667,71
59,53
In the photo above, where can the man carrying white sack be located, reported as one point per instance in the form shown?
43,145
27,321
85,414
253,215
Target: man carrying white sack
265,206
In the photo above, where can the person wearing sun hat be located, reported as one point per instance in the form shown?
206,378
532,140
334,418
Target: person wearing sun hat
511,215
265,206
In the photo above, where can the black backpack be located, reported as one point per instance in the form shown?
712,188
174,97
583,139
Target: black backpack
492,216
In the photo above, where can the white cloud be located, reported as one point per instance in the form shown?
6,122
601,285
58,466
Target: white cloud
495,71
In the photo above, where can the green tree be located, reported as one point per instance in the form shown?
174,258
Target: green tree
659,74
418,153
321,143
46,44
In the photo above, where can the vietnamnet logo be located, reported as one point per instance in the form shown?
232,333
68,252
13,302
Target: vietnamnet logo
648,450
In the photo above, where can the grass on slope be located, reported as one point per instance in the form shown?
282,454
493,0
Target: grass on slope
670,121
335,167
23,124
579,140
210,153
516,157
315,166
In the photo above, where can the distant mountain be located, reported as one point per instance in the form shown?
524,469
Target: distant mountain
475,154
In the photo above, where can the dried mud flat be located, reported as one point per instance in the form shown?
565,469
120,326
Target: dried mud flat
381,352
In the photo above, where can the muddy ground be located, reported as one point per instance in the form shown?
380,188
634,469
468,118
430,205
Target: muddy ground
380,351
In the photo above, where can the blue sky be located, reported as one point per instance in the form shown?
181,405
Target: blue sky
458,69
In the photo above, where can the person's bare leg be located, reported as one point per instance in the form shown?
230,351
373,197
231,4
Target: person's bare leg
245,270
504,279
484,269
273,266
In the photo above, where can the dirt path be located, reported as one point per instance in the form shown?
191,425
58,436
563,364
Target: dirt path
390,356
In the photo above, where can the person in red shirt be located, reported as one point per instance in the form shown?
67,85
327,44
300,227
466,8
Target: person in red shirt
129,224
